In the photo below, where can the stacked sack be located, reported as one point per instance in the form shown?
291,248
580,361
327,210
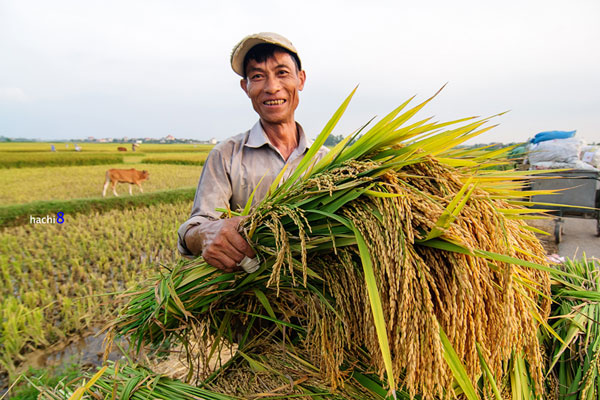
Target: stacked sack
591,155
561,149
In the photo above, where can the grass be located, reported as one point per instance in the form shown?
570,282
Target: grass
31,381
64,183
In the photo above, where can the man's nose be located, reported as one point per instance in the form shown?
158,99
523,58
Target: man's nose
272,85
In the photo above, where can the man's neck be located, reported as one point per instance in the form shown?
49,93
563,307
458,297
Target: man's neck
284,136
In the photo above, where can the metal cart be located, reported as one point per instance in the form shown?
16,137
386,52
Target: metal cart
582,189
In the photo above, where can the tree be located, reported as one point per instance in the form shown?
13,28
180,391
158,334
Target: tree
332,140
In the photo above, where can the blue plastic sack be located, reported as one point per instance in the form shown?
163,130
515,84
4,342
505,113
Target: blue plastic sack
550,135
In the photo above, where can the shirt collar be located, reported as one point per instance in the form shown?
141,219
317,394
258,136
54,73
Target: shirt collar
257,138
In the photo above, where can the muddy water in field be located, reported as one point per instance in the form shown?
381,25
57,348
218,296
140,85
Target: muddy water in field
86,350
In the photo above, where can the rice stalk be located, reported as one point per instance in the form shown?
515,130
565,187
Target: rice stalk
573,356
395,240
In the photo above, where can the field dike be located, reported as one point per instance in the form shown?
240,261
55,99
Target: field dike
21,214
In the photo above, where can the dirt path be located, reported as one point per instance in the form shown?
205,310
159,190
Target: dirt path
579,236
547,225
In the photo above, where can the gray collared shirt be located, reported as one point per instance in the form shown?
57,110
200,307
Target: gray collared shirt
234,168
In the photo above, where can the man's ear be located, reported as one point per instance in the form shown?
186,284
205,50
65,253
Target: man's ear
244,85
302,77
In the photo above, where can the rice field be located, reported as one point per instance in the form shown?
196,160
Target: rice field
176,158
175,148
25,147
62,183
103,147
10,159
54,278
58,279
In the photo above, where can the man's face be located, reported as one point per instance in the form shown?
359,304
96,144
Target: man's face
273,87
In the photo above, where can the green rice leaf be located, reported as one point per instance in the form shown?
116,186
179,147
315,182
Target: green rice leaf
452,210
457,368
307,160
248,205
488,373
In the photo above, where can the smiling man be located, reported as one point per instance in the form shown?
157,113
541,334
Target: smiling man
272,78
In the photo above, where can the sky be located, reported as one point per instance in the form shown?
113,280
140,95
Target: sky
70,69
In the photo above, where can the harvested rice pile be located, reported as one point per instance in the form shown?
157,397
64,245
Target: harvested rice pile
398,264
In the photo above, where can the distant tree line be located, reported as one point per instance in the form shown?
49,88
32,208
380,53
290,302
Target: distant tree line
332,140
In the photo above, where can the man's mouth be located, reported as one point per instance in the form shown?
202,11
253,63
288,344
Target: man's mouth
273,102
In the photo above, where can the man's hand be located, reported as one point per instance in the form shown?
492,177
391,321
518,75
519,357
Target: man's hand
221,244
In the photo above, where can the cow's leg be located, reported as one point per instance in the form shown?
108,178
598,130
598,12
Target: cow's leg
113,188
140,186
105,187
130,185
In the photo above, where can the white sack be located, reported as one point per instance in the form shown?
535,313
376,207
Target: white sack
557,150
591,155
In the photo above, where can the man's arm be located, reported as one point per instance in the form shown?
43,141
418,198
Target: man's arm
217,240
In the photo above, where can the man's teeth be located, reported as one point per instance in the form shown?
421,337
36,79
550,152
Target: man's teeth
274,102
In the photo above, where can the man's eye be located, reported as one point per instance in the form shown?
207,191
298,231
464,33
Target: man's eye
256,76
283,72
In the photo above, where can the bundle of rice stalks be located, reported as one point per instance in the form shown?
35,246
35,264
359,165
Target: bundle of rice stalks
128,382
574,371
400,255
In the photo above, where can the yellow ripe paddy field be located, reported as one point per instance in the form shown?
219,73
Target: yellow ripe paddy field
104,147
73,182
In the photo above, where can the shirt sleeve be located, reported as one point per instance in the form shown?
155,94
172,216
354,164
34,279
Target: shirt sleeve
214,191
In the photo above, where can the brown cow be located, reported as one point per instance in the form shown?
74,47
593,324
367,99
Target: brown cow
121,148
131,176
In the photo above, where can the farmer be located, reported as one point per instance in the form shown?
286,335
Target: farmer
272,77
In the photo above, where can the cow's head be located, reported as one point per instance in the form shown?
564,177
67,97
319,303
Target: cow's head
145,174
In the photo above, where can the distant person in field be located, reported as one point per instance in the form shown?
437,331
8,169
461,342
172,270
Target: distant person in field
52,148
272,78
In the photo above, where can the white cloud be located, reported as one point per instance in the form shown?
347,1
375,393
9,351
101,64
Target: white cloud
13,95
117,63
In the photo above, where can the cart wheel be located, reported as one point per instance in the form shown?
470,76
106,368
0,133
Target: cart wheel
558,231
